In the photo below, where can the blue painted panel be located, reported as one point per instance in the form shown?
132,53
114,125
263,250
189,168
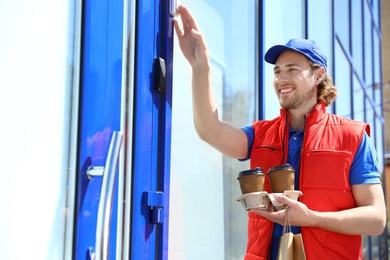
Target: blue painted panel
152,131
100,115
145,123
167,37
100,111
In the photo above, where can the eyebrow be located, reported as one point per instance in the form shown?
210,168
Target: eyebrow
288,65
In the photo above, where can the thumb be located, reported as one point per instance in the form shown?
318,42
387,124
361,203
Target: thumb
283,199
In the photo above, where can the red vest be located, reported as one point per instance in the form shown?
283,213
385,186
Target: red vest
329,146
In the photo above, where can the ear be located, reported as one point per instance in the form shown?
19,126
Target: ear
320,73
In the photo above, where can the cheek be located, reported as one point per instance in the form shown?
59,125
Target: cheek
275,85
276,82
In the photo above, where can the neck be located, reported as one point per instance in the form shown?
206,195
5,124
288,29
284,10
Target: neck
297,117
297,121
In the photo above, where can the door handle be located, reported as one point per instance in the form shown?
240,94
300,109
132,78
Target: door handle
106,198
173,7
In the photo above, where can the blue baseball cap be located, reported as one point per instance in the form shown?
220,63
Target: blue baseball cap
306,47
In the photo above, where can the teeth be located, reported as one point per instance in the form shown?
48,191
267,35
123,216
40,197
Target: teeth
285,90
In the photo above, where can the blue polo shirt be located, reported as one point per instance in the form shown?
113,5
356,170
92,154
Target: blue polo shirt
364,170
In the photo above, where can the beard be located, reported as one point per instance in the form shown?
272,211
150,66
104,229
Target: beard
297,100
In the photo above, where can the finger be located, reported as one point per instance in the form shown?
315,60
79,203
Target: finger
283,199
188,20
178,30
277,217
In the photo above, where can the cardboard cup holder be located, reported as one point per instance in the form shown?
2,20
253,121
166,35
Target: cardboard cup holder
263,200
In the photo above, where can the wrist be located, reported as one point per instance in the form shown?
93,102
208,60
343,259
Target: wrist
201,69
314,219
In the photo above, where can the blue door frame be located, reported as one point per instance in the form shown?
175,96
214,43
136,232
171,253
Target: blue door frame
100,116
152,130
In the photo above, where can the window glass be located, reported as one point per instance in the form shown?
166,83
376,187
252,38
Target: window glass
358,100
279,29
357,37
371,247
376,11
368,75
206,221
370,116
323,35
377,71
379,143
377,89
341,22
316,30
39,80
342,82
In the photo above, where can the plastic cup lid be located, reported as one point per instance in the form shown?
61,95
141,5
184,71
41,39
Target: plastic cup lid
257,170
285,167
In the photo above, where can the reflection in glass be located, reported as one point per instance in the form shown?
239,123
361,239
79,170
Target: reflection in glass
279,29
342,81
206,221
341,22
357,37
358,100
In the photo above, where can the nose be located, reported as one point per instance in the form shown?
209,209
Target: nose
280,78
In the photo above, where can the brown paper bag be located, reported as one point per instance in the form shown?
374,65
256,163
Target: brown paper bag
298,248
285,251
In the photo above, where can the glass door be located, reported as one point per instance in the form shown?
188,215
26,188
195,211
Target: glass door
206,220
100,135
125,117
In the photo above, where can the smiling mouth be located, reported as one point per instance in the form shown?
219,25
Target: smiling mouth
285,90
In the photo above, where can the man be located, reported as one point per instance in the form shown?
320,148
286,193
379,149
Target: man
334,159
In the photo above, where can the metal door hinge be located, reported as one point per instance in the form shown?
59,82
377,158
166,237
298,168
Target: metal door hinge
155,200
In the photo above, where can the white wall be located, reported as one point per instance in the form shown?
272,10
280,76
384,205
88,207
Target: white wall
36,54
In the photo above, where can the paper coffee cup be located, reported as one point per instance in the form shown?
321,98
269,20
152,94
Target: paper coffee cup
251,180
281,178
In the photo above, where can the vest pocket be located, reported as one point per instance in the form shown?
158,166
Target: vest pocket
265,149
321,244
326,169
266,156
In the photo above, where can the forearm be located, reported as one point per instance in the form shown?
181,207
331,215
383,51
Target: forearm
368,218
224,137
205,111
365,220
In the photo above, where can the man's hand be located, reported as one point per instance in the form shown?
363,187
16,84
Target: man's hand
368,218
191,40
298,213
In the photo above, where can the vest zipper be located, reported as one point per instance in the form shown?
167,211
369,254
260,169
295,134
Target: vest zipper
300,154
285,140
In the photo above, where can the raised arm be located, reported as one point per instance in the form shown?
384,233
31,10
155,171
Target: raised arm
226,138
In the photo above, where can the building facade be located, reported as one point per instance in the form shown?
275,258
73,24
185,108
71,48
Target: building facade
100,152
386,83
238,34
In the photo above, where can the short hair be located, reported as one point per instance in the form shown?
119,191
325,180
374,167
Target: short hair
327,92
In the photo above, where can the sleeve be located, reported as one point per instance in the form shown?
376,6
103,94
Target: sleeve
364,169
250,133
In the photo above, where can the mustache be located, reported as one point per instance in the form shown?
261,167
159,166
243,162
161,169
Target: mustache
285,84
